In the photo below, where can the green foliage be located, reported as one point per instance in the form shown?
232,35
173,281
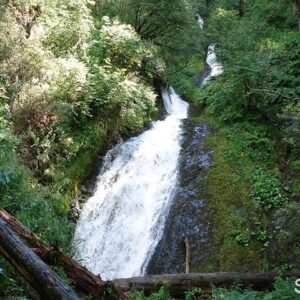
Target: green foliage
267,190
254,106
234,294
279,14
249,141
9,287
168,24
121,44
66,27
227,188
193,294
283,289
57,83
67,91
260,84
162,294
114,89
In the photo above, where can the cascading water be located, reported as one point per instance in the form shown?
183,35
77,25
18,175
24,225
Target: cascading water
200,21
121,224
215,68
188,214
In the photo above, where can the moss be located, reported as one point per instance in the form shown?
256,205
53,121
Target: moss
234,215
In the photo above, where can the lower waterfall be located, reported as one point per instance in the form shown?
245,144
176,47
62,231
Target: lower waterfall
122,223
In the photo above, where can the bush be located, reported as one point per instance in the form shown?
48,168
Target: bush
283,289
66,27
267,190
162,294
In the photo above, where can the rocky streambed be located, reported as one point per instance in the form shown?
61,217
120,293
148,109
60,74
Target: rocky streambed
188,217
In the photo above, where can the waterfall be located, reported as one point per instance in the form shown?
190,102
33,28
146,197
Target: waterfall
200,21
215,68
122,223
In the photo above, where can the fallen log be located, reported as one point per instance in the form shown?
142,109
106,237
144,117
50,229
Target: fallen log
83,280
180,283
91,284
48,285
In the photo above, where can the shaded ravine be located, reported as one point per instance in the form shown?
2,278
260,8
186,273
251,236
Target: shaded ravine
188,217
121,224
129,213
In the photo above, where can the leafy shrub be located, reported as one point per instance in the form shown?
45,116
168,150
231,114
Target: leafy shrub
162,294
9,288
234,294
133,103
267,190
119,45
117,37
115,95
193,294
249,141
283,289
66,27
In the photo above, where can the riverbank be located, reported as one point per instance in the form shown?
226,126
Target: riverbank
186,218
246,236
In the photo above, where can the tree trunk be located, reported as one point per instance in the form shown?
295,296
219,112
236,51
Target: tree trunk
296,4
84,281
180,283
48,285
241,8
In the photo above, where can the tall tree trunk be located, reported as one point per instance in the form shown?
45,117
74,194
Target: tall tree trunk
296,4
241,8
48,285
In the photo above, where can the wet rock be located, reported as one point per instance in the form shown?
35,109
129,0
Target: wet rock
74,215
82,200
187,216
83,189
74,212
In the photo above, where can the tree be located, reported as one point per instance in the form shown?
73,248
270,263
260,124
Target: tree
168,24
296,4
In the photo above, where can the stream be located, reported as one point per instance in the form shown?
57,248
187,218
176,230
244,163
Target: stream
123,228
121,224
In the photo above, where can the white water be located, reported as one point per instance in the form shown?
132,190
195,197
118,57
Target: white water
200,21
211,59
122,223
215,67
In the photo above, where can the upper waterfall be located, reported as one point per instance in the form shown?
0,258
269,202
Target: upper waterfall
200,21
215,68
121,224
